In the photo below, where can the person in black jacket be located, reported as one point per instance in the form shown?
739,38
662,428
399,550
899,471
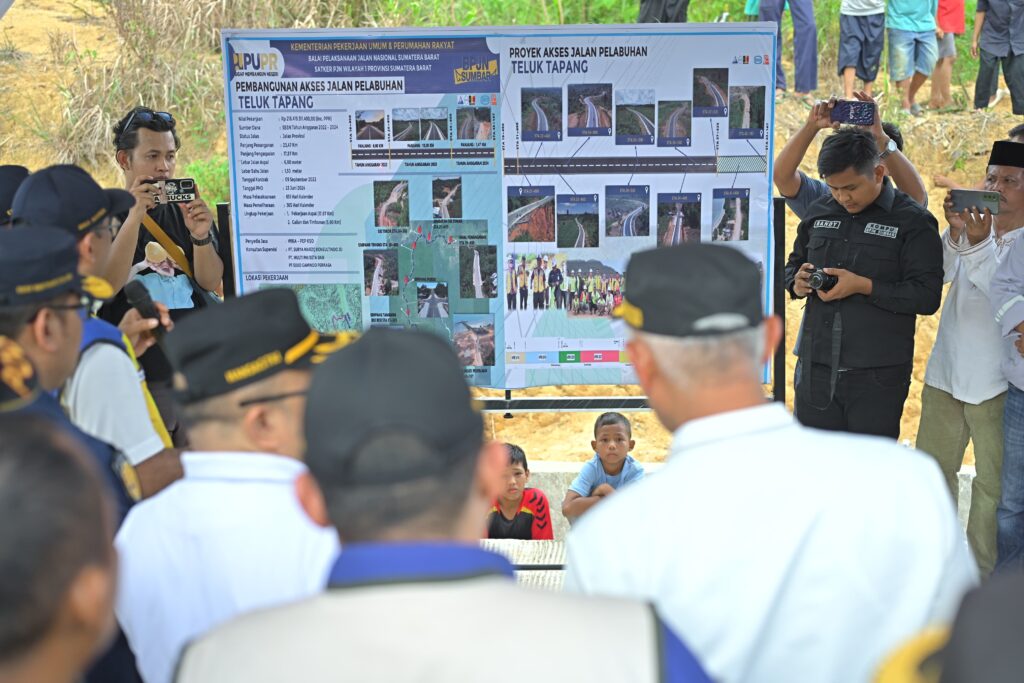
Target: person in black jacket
869,260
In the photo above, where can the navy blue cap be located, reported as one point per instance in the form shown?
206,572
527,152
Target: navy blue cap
663,286
67,197
10,178
38,263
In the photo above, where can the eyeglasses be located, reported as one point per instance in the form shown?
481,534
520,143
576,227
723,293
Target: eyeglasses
82,305
145,116
273,397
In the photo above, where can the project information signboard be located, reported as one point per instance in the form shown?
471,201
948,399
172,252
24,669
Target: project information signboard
489,185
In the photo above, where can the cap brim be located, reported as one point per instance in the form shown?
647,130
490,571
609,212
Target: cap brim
96,288
119,201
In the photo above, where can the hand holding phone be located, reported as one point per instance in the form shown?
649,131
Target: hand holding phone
855,112
176,191
967,199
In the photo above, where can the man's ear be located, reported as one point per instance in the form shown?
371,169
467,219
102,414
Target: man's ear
490,469
89,605
879,172
773,333
643,361
85,249
123,157
311,498
42,330
258,428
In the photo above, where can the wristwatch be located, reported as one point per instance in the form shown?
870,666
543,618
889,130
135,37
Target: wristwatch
890,147
203,242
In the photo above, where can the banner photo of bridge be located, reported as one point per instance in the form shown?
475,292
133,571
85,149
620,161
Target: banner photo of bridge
489,185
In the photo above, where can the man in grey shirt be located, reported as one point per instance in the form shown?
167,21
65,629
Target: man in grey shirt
800,190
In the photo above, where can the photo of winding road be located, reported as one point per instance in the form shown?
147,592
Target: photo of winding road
627,211
531,218
541,113
391,203
746,108
473,339
370,125
432,299
675,122
473,123
448,198
710,91
478,271
405,125
380,272
590,109
634,117
578,221
678,222
434,123
730,219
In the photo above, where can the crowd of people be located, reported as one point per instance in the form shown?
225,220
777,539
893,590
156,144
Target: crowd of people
207,490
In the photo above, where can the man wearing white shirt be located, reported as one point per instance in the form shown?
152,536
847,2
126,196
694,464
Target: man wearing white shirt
778,552
230,537
964,387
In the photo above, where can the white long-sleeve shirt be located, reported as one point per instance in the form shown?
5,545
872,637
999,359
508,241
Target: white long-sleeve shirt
1006,293
968,351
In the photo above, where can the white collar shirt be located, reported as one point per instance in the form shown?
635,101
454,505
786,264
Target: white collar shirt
228,538
779,552
968,352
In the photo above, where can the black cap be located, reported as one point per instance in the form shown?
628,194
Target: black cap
691,290
18,384
244,340
390,383
67,197
10,178
1006,153
38,263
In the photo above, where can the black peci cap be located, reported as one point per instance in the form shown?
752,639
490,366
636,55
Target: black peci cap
38,263
390,383
222,348
67,197
691,290
1006,153
11,178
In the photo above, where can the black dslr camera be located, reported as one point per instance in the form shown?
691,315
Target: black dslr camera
822,281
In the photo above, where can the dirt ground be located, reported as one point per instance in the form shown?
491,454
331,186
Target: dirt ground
31,68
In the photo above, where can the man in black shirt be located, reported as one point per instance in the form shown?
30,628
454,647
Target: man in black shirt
177,268
884,256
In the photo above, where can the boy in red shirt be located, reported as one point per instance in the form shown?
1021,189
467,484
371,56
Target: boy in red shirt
520,512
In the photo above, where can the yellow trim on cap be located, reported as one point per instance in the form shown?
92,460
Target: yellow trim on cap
97,288
331,343
302,348
254,367
904,665
52,283
633,316
92,219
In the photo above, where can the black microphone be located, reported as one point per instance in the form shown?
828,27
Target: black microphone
139,299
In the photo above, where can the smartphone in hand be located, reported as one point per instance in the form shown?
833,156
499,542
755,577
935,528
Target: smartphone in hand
965,199
176,191
853,111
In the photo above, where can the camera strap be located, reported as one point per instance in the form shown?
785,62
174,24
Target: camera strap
170,246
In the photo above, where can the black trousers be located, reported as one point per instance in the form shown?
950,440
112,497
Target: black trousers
511,299
663,11
866,401
522,298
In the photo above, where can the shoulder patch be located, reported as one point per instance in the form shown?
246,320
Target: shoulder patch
889,231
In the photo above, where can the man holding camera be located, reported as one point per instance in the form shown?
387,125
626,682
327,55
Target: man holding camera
869,260
170,246
964,391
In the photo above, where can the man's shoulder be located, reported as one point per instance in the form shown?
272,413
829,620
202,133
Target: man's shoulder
906,206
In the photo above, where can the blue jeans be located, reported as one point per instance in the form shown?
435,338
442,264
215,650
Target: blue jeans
805,41
1010,513
911,51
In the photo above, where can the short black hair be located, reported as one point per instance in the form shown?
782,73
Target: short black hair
431,504
1016,132
13,319
129,139
57,522
608,419
894,133
848,148
517,456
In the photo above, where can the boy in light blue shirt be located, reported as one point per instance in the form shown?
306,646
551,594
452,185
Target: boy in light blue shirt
611,468
913,47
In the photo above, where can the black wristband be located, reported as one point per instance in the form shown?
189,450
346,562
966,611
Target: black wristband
203,242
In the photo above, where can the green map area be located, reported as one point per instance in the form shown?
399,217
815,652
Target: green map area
329,308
